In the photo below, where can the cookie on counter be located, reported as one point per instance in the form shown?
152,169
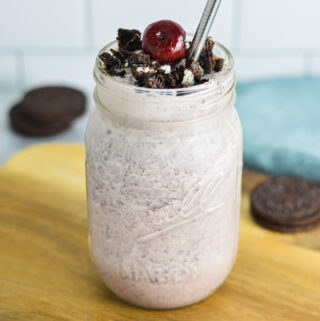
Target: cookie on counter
286,204
51,103
47,111
29,127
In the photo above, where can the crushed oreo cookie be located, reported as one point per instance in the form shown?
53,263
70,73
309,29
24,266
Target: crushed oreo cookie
149,73
219,64
156,81
207,60
139,59
110,60
197,70
129,39
112,63
142,73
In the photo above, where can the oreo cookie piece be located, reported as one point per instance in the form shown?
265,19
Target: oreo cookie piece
129,39
139,59
196,70
142,74
111,61
218,66
178,74
207,60
157,82
286,204
24,125
48,104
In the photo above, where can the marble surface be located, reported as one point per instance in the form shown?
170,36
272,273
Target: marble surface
11,142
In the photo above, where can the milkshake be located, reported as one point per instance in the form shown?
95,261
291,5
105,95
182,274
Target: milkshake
164,164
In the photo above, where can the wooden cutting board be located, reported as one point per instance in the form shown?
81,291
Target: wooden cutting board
46,272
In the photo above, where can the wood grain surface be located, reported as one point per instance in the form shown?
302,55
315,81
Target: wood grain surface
46,272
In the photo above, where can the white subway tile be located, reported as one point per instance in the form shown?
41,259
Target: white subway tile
263,67
109,16
60,70
42,23
280,25
8,74
315,67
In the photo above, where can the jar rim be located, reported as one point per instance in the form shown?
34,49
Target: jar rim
98,75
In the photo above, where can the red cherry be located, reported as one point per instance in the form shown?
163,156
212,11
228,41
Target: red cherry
164,41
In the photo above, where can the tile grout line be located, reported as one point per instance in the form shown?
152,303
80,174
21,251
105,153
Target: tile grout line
79,51
45,51
276,53
308,57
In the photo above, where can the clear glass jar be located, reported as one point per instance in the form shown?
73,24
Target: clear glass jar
163,184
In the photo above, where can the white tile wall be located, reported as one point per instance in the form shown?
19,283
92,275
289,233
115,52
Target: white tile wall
52,23
265,67
316,65
280,25
8,74
64,70
48,41
110,15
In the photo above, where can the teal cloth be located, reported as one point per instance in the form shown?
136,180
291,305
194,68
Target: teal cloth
281,125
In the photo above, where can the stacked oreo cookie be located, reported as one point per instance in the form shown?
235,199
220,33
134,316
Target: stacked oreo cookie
47,111
286,204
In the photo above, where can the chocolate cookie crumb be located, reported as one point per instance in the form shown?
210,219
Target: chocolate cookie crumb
203,81
139,59
196,70
129,39
208,64
219,62
120,55
142,74
134,44
178,74
125,53
171,81
157,82
110,62
209,44
207,60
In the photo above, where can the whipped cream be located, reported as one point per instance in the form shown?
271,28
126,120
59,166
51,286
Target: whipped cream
145,69
188,78
166,69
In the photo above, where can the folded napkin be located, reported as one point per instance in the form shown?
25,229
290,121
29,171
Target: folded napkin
281,125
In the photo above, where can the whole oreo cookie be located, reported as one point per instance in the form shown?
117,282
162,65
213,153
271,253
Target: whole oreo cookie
24,125
48,104
284,228
286,204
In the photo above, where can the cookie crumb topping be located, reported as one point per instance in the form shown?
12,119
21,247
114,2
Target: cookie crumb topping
130,61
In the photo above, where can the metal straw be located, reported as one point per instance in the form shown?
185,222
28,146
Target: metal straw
204,27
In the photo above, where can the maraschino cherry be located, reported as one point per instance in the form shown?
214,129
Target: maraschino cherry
164,41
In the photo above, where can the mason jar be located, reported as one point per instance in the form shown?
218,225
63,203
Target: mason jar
164,184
